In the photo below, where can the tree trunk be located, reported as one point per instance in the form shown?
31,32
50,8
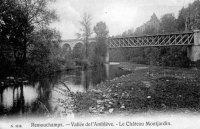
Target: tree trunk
24,51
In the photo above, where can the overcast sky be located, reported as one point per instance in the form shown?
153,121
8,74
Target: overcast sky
119,15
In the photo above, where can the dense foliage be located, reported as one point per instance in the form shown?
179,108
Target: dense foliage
27,45
100,47
187,20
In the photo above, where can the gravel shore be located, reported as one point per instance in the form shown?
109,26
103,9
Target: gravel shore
145,89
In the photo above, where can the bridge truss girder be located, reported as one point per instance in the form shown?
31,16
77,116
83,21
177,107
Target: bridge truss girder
151,41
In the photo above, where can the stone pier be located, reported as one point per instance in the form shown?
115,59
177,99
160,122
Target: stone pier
194,50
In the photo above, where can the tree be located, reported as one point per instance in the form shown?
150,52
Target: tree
19,19
24,30
129,32
44,55
100,48
189,18
181,20
86,31
14,26
78,51
37,12
101,30
168,23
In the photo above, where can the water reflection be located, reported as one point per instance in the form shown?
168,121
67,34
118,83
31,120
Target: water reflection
41,97
7,101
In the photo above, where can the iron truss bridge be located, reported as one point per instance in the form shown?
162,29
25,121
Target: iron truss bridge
175,39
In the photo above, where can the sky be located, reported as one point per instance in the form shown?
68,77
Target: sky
119,15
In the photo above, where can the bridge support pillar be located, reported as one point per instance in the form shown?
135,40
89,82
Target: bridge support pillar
107,52
194,51
107,56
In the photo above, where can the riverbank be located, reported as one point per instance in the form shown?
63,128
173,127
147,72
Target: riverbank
145,89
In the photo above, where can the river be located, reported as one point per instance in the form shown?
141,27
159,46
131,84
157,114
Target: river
41,97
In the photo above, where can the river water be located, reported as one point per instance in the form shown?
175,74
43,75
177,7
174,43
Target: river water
41,97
